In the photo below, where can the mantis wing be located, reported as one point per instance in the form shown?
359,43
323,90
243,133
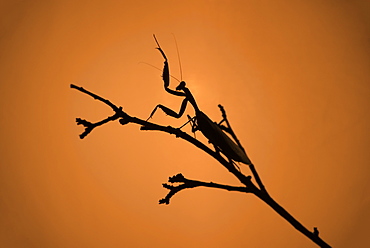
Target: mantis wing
220,139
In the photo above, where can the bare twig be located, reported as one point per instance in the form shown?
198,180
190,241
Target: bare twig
251,166
294,222
146,125
114,107
90,126
188,184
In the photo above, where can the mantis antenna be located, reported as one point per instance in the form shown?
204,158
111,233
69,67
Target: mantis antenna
178,55
159,69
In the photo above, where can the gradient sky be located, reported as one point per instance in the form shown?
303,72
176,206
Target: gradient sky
294,78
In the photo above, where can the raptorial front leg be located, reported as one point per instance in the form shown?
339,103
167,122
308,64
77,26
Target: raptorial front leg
166,70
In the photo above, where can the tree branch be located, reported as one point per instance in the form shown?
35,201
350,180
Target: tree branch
90,126
314,236
188,184
251,166
249,187
96,97
146,125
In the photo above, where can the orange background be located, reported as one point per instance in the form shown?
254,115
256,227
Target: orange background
293,77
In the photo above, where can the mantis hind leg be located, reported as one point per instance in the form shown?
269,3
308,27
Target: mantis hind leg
194,126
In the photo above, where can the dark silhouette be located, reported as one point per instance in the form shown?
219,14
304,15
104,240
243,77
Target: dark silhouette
211,130
233,151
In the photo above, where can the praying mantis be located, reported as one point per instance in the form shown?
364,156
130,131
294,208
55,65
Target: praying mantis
213,131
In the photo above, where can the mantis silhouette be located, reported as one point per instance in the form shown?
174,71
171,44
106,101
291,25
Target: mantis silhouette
213,131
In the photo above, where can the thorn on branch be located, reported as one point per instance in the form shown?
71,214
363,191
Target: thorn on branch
179,178
316,231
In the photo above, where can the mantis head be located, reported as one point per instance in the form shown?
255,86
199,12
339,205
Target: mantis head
181,86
